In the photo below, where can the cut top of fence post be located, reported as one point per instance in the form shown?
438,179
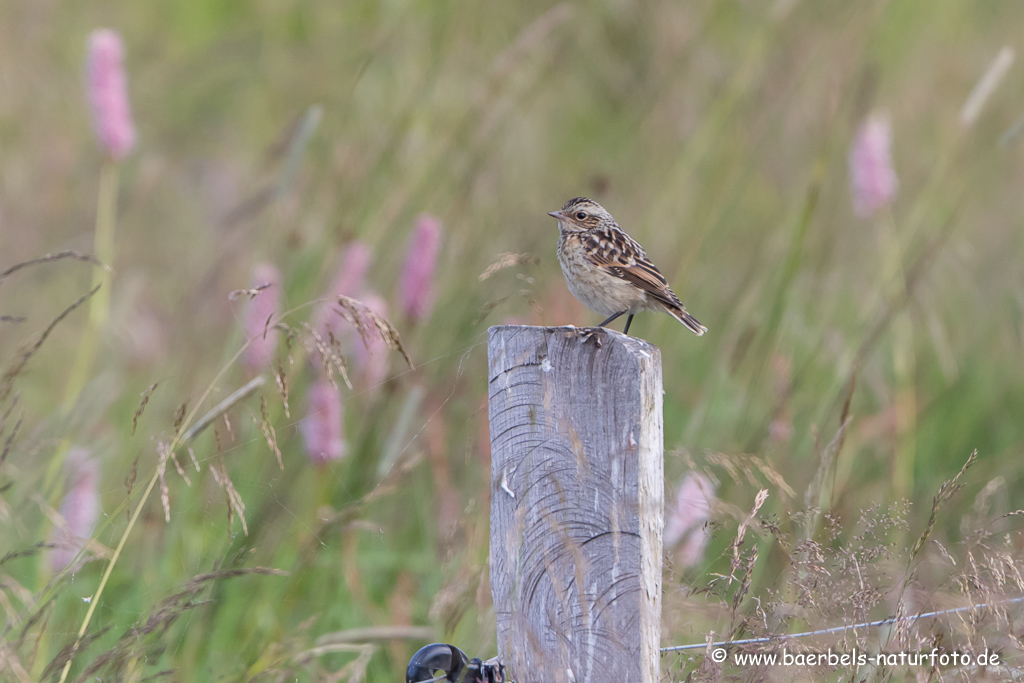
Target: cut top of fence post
576,503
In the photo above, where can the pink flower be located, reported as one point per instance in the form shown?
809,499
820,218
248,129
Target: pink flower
872,177
687,517
347,282
322,428
372,358
108,93
262,308
354,264
78,510
417,285
781,428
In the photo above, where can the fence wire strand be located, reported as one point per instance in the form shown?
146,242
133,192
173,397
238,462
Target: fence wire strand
839,629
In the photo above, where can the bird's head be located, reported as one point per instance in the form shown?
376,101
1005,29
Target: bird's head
581,214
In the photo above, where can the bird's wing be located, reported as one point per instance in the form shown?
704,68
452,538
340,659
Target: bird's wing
619,254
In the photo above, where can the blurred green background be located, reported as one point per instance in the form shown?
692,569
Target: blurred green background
716,132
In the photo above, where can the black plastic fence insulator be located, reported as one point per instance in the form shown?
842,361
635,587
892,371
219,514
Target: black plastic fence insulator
457,667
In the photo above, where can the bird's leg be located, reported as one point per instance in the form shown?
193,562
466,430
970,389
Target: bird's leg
628,321
613,318
587,334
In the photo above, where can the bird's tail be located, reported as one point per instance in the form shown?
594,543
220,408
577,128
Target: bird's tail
685,318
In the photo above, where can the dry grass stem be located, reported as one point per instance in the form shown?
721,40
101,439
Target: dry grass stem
164,449
224,406
948,489
23,356
129,484
369,324
250,293
9,442
282,389
263,422
507,260
741,531
142,405
328,352
234,500
48,258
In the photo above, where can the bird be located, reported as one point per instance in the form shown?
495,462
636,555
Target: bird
608,271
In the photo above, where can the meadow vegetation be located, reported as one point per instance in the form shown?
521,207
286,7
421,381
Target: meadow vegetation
332,517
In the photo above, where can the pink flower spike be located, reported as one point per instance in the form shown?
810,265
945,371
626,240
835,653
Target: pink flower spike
322,428
347,282
373,357
354,264
108,93
872,177
687,517
78,510
417,284
263,307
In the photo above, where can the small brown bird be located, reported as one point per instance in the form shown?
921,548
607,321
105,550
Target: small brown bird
608,271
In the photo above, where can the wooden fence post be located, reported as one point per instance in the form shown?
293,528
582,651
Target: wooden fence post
577,503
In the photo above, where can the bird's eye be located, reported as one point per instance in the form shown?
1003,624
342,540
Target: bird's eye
581,215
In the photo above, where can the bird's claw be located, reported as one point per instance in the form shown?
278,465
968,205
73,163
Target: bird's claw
588,333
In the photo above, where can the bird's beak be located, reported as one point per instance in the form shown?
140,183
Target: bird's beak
557,214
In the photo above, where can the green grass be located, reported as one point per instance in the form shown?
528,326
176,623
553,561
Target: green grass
716,132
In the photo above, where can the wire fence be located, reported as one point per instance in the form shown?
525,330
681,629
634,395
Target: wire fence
839,629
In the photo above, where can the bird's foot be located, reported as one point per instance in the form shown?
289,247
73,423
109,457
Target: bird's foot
588,333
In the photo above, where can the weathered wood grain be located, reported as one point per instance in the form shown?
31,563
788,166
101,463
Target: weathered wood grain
577,503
